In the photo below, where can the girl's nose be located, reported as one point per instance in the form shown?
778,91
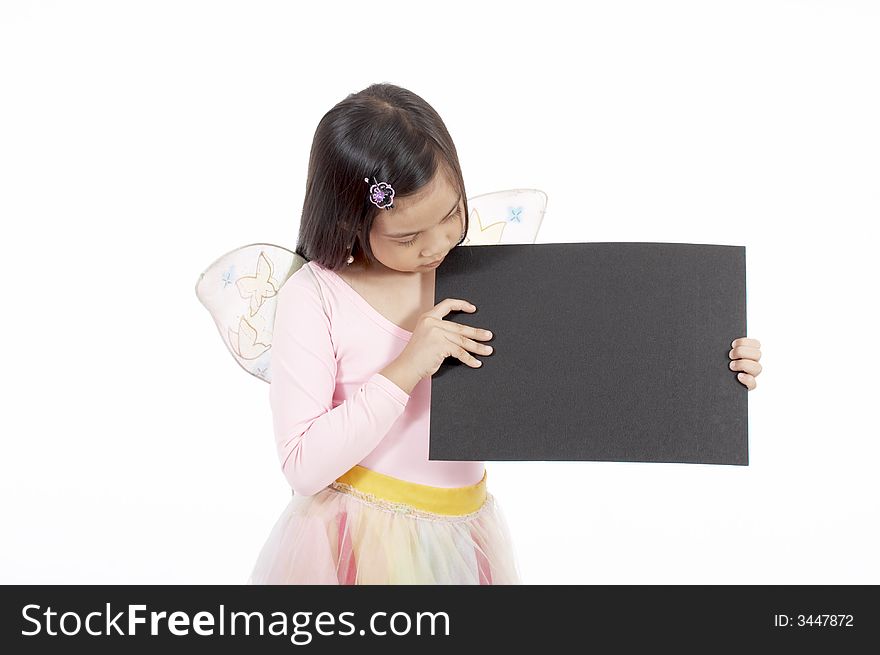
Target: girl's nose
438,249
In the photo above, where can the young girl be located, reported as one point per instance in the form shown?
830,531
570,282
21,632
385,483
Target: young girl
356,339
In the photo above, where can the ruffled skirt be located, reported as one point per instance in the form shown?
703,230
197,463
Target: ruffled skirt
371,528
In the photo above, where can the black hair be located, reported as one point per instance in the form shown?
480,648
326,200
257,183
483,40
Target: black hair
385,133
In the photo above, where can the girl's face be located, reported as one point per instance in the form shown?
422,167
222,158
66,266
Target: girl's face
420,229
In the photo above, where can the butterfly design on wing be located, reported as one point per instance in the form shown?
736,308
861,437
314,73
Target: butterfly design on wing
246,342
239,290
255,289
508,216
259,286
482,236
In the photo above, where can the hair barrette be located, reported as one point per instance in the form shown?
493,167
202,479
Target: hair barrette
381,194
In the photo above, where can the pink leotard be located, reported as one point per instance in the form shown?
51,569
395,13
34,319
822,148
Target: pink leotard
331,408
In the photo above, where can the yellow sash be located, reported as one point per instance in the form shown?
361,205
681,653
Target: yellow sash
453,501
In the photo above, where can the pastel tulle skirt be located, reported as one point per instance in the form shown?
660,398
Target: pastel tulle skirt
371,528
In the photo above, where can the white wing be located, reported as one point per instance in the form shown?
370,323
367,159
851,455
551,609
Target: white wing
240,288
511,216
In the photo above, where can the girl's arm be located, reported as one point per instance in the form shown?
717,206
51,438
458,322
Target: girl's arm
316,442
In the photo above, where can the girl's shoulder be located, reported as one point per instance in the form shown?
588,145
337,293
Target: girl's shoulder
304,288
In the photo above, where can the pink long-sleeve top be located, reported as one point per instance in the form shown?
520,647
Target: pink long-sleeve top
331,408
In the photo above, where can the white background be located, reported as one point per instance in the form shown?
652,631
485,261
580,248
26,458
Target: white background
141,140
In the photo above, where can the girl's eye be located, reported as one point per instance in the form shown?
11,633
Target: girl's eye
445,220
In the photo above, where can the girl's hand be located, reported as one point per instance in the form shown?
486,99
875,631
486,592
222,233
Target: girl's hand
745,355
434,339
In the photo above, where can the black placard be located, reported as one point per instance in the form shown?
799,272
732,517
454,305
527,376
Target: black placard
603,352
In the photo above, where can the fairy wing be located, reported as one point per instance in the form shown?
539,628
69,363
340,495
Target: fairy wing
240,288
510,216
240,292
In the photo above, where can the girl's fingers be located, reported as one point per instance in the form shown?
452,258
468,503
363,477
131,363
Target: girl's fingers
447,305
747,380
473,332
749,366
745,352
745,341
470,344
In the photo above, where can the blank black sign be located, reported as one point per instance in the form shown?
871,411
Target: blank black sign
603,352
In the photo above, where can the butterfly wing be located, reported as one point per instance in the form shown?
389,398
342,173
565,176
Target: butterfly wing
509,216
240,291
240,288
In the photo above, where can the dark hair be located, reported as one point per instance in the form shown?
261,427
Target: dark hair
387,134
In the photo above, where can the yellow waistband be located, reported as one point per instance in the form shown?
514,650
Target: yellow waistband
439,500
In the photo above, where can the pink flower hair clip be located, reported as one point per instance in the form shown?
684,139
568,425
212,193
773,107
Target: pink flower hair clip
381,194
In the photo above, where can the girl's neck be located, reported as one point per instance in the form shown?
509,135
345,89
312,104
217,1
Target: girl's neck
377,270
